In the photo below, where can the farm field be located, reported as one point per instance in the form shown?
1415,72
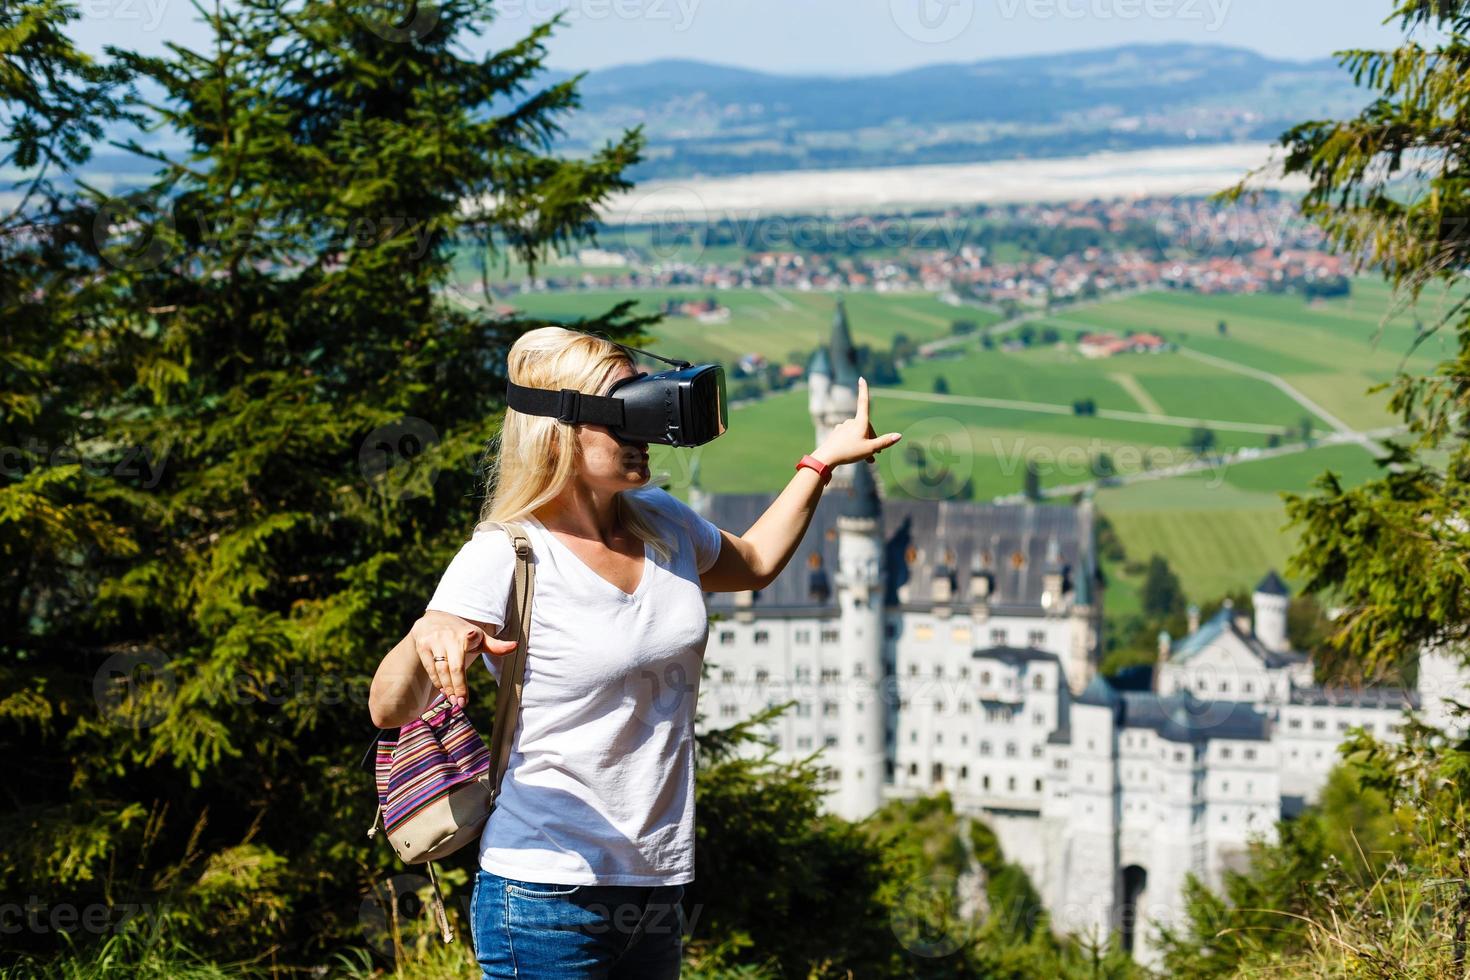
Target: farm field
770,322
984,415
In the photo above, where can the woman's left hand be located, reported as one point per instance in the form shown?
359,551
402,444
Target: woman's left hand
853,439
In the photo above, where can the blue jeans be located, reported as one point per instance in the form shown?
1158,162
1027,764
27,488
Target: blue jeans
576,932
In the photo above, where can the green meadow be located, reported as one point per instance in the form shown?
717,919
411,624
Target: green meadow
771,322
986,414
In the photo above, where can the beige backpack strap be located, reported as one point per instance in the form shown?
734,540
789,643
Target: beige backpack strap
513,668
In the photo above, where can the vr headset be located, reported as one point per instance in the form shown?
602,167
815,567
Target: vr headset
682,407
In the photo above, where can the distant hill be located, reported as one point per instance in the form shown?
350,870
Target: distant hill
704,119
708,119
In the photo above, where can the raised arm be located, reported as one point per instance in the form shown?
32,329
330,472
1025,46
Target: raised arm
754,559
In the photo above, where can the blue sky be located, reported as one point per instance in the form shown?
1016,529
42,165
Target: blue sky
852,36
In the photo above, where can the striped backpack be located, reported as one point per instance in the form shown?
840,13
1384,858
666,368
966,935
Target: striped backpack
437,781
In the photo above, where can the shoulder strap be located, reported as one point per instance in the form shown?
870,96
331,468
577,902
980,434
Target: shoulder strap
513,669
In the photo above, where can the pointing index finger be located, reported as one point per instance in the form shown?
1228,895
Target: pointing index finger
862,400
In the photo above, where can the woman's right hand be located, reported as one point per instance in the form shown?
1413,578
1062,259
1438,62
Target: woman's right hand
445,644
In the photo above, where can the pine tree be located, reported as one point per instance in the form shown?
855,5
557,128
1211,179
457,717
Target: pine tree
264,331
1393,552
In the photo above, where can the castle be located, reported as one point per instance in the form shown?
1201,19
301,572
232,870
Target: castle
945,645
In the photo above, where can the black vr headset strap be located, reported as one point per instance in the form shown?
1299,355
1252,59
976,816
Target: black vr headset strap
566,405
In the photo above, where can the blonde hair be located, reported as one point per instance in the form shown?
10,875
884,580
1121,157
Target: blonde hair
532,459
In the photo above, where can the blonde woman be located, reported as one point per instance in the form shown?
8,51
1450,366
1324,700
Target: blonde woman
585,857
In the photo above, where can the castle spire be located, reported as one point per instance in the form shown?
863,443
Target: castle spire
844,354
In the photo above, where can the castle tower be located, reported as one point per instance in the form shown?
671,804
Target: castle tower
1269,603
860,594
835,376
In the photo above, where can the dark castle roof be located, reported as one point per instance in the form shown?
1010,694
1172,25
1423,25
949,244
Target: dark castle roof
927,540
844,354
1178,717
1273,585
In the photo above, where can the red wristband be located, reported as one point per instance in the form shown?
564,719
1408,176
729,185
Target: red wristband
817,466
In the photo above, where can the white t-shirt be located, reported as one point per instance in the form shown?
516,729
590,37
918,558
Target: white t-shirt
599,788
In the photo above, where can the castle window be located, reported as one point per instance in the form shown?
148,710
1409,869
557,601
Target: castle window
1036,638
938,738
1250,754
762,675
1294,723
1225,752
936,773
913,670
985,678
727,637
985,747
1038,718
858,670
1011,783
1248,687
762,636
831,636
803,709
803,741
960,634
829,709
830,674
830,741
1038,786
803,636
1178,756
1010,750
998,637
890,630
985,782
1342,726
964,772
964,707
923,632
1038,682
727,675
1037,751
913,768
913,734
1319,724
939,670
728,710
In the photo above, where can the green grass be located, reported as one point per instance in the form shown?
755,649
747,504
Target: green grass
774,323
1221,534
